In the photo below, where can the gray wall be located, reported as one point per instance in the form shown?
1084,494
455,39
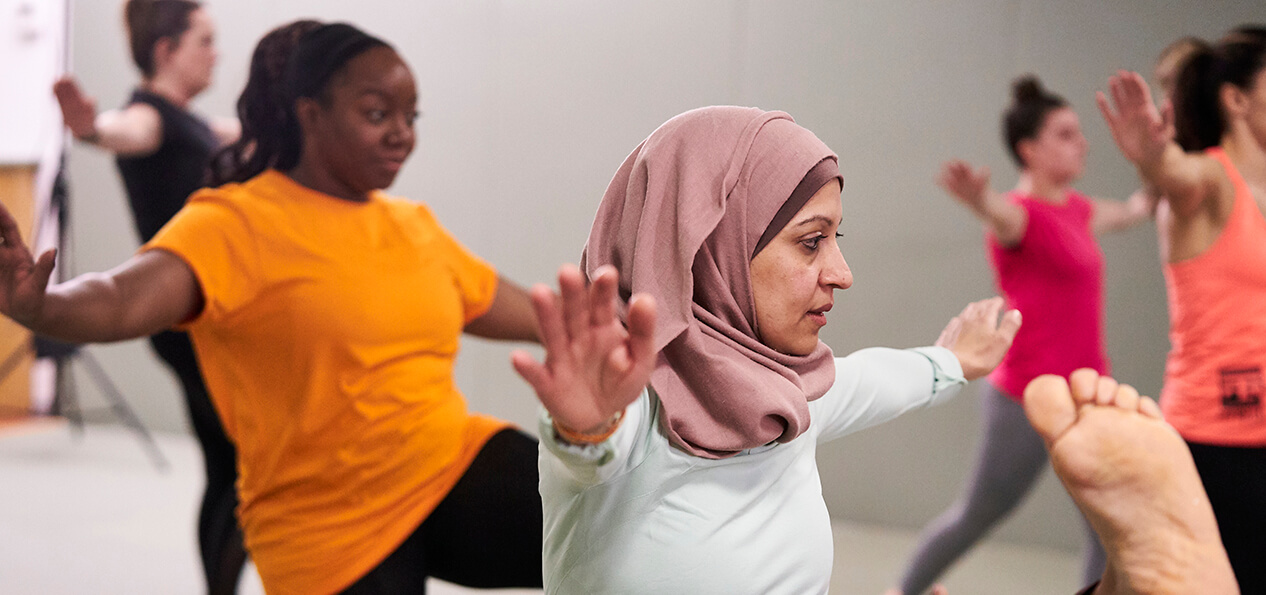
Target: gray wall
530,107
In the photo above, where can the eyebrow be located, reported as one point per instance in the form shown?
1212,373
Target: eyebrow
814,219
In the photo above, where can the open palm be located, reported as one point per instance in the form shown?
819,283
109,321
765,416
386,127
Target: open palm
79,111
1140,130
968,186
594,365
22,278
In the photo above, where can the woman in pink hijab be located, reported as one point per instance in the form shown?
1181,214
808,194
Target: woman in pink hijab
685,385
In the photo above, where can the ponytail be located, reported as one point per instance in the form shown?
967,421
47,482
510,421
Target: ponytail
270,130
1199,121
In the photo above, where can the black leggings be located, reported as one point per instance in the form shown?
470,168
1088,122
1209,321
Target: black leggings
486,533
219,537
1235,479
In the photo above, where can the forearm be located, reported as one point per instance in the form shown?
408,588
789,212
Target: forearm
1112,216
88,309
1176,175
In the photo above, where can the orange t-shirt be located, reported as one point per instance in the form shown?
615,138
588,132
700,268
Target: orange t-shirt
1215,379
327,343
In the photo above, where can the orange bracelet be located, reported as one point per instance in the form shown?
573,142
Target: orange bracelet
582,439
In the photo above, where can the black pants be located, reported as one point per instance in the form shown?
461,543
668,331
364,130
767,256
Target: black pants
219,537
1235,479
486,533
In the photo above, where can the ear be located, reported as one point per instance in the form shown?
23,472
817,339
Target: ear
1025,149
1234,100
163,49
307,111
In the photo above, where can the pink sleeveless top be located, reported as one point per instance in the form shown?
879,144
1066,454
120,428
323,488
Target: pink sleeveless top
1054,277
1217,330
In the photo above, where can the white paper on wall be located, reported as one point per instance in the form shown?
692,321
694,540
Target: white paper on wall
32,50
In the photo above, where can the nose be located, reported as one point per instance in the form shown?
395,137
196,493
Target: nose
401,133
836,273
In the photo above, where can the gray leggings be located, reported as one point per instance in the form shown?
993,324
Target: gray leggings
1011,459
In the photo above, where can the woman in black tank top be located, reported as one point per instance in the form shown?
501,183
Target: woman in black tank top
162,150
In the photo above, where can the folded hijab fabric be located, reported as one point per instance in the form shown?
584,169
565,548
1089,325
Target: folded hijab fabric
681,221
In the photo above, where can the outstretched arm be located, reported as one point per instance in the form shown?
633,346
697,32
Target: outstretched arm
594,366
134,130
1005,219
150,292
875,385
1115,215
1145,135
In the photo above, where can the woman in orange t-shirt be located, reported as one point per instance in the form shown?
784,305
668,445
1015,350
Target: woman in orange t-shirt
1210,165
327,318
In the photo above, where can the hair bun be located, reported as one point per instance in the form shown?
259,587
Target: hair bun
1027,89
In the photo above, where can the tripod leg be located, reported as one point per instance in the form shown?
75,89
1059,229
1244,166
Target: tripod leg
66,400
124,410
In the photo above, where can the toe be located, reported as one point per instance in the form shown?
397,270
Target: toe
1126,398
1049,406
1105,390
1084,383
1149,408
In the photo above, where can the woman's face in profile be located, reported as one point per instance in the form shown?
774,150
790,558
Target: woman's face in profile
795,276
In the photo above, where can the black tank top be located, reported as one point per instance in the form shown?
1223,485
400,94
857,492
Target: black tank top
158,184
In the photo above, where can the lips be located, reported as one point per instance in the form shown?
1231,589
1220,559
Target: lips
818,315
392,163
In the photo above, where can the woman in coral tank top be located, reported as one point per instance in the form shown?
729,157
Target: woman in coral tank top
1210,164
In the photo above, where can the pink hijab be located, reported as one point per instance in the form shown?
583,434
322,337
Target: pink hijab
680,220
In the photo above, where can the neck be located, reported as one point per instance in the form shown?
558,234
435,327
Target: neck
1248,155
1044,187
168,89
320,180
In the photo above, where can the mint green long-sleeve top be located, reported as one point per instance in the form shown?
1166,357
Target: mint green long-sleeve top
636,515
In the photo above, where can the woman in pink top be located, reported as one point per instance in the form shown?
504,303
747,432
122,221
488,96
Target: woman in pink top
1210,164
1048,265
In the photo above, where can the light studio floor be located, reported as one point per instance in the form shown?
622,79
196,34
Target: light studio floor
92,515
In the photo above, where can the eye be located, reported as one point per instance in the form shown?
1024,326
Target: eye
413,117
813,242
376,115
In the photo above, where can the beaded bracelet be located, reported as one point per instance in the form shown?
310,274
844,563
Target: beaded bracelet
582,439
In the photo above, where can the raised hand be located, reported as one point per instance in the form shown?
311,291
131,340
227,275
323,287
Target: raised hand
1140,130
978,338
594,366
968,186
79,111
22,278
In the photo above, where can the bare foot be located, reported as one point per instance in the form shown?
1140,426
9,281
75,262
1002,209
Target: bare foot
1132,476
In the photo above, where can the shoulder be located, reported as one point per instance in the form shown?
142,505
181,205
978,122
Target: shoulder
410,214
249,200
1081,203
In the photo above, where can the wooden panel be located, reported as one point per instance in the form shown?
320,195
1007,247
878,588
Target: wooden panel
17,193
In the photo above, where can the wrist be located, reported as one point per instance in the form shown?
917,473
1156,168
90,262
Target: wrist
595,435
91,137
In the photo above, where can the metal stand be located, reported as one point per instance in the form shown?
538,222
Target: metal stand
66,399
